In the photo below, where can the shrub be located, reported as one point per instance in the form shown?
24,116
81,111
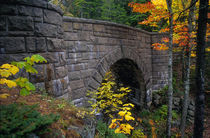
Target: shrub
8,70
105,132
138,134
161,114
111,101
18,120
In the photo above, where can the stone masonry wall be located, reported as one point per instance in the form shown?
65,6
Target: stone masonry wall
79,51
159,65
35,27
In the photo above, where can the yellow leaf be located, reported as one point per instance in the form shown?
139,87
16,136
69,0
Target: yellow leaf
118,130
14,70
4,73
112,125
129,104
128,117
11,84
122,113
4,96
6,66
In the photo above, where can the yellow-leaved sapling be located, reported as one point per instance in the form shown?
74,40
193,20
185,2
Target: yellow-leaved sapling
122,124
111,101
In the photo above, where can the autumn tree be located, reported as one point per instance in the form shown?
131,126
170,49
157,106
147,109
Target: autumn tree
177,18
188,47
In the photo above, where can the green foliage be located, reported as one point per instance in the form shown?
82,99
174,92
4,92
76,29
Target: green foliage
105,132
20,120
161,114
144,113
109,10
137,133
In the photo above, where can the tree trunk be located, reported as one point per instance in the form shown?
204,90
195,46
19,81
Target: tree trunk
200,63
187,72
170,73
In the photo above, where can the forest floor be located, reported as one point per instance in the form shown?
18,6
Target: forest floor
73,116
69,114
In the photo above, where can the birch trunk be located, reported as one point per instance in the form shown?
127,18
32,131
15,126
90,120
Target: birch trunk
170,73
200,66
187,71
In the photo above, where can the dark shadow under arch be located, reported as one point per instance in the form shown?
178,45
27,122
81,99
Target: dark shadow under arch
128,74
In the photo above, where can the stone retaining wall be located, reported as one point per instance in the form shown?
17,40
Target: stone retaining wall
78,51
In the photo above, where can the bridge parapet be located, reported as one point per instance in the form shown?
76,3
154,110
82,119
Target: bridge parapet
79,51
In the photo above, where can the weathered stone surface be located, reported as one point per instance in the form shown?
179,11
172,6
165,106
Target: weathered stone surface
7,58
40,87
81,46
52,17
50,57
60,72
41,76
57,88
65,82
41,44
67,27
191,113
31,44
43,29
50,73
84,36
86,73
93,84
64,96
61,59
70,36
2,23
77,26
76,84
54,44
98,28
12,44
53,7
78,93
92,63
97,76
77,67
74,75
87,27
8,9
89,55
75,55
17,23
29,11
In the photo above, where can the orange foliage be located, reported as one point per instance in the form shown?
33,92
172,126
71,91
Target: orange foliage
158,11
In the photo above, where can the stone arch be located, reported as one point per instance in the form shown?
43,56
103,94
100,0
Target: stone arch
112,57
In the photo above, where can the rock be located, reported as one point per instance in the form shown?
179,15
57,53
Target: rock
19,23
60,72
52,17
191,113
13,44
156,99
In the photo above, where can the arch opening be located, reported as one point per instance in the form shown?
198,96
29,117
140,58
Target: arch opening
128,74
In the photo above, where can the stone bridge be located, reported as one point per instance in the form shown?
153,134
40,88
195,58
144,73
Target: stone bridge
79,51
